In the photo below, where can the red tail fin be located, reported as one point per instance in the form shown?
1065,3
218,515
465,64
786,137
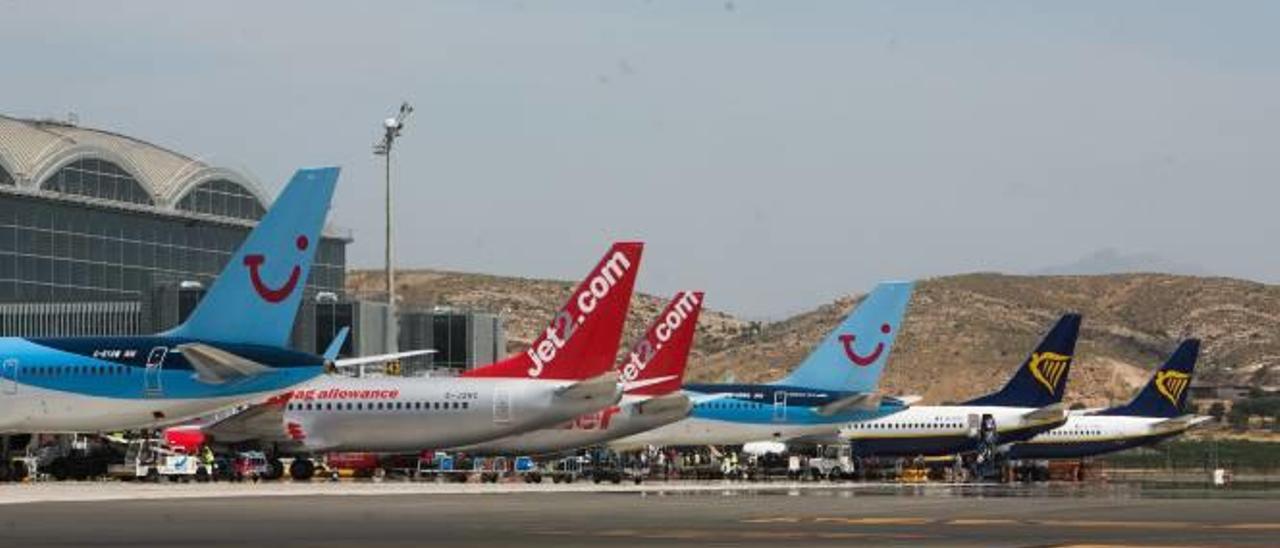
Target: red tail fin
657,362
582,340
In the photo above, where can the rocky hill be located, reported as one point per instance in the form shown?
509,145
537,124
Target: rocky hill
963,335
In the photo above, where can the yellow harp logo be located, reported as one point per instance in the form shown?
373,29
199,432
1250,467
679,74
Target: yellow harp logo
1048,368
1171,384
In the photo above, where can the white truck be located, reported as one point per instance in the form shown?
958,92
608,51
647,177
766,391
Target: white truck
150,460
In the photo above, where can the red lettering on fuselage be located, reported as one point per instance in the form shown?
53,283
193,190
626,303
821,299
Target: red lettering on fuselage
594,421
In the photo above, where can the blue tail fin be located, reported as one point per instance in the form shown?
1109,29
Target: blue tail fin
1166,392
853,355
1043,376
255,298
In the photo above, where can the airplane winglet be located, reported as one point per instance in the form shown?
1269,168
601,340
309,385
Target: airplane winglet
335,346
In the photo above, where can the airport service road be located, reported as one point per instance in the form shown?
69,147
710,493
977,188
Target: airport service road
747,515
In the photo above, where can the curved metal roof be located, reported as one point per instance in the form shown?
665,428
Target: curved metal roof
33,150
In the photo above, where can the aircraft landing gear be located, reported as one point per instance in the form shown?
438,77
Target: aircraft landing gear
302,469
275,469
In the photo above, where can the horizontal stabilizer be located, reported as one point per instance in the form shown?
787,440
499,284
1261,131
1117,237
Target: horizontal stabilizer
869,401
217,366
909,400
1055,412
1179,423
380,358
602,387
662,405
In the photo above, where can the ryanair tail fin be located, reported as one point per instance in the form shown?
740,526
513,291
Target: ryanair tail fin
852,357
1166,393
255,299
1042,378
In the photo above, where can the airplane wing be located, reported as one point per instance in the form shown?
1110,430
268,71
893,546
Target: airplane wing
217,366
669,403
1049,413
262,421
604,387
867,401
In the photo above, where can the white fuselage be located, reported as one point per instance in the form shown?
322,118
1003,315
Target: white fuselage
33,409
943,422
1094,428
626,418
694,431
393,414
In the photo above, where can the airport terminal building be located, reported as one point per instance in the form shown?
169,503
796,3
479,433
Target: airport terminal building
106,234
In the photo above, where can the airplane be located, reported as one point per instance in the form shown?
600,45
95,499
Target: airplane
651,377
1153,415
231,349
1030,403
564,374
834,385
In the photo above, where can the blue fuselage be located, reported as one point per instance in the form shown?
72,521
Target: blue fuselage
62,384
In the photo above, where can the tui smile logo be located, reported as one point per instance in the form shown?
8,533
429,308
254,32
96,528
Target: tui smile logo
1048,368
1171,384
274,295
858,359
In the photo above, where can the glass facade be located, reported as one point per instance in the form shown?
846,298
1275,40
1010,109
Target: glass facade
98,179
57,251
224,198
462,339
5,178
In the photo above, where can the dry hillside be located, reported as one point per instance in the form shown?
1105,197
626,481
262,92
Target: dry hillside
963,334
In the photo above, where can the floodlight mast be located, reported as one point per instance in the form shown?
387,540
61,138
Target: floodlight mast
393,127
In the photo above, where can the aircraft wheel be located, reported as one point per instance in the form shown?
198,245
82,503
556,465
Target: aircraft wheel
275,470
302,469
153,475
202,474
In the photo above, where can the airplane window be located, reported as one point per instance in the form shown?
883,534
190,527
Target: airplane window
328,407
436,405
466,405
456,405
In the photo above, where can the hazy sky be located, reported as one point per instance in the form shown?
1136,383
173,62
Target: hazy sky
775,154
